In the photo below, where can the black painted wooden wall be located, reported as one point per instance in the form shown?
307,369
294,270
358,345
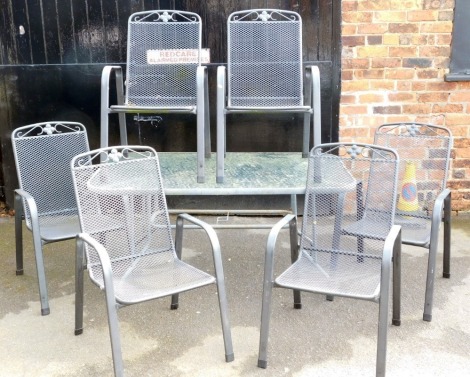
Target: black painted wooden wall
52,53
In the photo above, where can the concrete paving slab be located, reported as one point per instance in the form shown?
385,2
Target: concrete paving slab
323,339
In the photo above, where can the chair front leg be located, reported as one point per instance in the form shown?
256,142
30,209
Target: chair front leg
179,249
79,270
201,129
19,234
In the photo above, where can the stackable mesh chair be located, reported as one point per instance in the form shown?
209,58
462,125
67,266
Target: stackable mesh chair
346,183
43,152
265,73
424,201
126,241
164,75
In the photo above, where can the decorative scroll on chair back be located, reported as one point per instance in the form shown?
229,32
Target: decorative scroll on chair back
122,205
164,51
350,191
43,152
424,152
265,59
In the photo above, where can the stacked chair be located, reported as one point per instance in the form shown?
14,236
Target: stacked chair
43,152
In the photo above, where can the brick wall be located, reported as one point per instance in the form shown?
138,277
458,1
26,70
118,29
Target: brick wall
394,59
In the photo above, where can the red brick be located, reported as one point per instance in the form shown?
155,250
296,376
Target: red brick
357,109
369,74
386,62
402,97
355,63
433,97
347,74
382,85
422,15
448,108
348,99
402,28
437,27
417,109
427,74
357,17
434,51
404,52
353,41
372,28
400,74
371,98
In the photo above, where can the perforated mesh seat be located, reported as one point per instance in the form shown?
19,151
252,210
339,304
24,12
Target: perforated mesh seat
265,73
164,75
128,240
348,186
424,151
43,152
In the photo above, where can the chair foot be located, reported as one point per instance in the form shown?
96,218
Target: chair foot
19,272
262,364
229,358
330,297
46,311
200,179
220,180
174,306
396,322
297,306
446,275
427,317
78,331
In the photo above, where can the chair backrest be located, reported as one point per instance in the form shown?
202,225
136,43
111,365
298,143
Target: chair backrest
350,196
265,58
43,152
424,152
122,205
163,54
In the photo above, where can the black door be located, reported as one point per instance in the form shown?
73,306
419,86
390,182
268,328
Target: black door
52,53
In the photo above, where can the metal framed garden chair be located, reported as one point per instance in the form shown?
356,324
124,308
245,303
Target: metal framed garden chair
164,75
126,241
346,183
424,201
43,152
265,74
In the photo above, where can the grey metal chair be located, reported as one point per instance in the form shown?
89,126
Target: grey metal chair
43,152
345,184
126,241
424,201
164,75
265,74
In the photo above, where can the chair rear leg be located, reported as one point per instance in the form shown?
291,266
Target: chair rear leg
447,235
19,234
79,270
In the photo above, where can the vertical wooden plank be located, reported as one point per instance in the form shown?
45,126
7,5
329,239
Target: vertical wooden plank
81,34
20,33
326,30
36,32
113,39
66,31
51,37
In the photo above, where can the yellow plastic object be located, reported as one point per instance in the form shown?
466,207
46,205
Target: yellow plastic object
408,201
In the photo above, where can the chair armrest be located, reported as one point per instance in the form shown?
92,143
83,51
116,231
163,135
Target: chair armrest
214,240
313,79
439,204
271,245
391,242
221,88
104,259
105,80
33,208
